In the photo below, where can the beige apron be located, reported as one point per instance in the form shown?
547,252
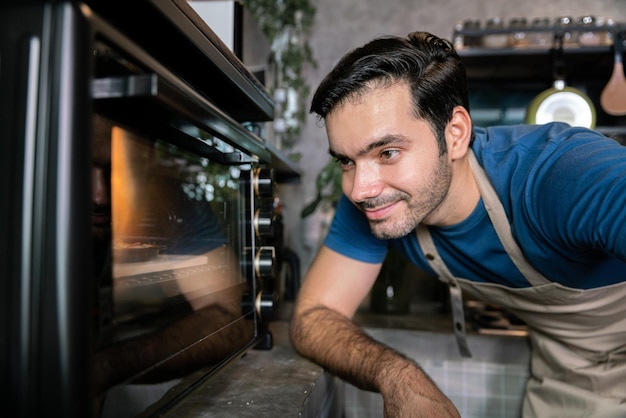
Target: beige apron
578,337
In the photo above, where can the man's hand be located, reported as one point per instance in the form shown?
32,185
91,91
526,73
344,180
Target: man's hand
322,330
345,350
411,393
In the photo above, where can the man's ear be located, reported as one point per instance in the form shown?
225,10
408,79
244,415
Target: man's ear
458,133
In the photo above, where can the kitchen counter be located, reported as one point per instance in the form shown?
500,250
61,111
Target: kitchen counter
280,383
264,383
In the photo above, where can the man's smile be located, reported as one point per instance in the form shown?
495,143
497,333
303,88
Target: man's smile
378,212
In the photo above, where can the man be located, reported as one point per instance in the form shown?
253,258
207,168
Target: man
531,218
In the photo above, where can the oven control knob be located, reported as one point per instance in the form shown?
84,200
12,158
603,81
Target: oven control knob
265,305
264,262
263,223
263,182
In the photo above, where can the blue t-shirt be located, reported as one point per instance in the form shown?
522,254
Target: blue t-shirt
564,193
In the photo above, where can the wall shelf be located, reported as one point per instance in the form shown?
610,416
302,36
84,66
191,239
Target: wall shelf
504,80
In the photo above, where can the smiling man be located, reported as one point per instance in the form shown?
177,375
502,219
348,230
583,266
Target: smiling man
527,217
379,143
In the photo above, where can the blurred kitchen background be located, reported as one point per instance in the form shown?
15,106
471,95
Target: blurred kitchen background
341,26
492,383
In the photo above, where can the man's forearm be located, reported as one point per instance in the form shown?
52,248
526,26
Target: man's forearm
343,348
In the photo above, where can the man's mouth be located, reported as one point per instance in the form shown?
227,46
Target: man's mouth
100,218
379,212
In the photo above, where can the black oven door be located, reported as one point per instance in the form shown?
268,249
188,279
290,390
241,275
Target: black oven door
178,264
129,243
171,244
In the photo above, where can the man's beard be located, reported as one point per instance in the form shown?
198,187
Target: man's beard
101,222
101,233
405,223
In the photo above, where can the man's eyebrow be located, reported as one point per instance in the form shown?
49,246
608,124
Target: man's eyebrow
384,141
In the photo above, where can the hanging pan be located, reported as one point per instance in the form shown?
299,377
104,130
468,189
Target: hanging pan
561,103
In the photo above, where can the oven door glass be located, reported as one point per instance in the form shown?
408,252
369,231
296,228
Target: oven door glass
169,238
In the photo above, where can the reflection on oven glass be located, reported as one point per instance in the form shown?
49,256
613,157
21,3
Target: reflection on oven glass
166,227
170,224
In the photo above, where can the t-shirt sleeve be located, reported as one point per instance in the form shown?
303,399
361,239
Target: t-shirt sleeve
197,230
350,235
582,195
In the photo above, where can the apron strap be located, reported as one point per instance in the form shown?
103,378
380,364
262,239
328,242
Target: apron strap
456,297
496,213
498,218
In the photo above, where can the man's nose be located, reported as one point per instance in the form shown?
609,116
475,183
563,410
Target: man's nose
366,182
99,189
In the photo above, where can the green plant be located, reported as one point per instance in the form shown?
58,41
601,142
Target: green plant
287,24
328,185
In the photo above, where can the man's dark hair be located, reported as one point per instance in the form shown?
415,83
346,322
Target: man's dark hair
429,65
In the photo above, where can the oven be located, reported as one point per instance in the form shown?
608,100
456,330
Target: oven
139,200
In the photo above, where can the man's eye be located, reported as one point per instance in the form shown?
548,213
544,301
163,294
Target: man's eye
388,154
343,161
